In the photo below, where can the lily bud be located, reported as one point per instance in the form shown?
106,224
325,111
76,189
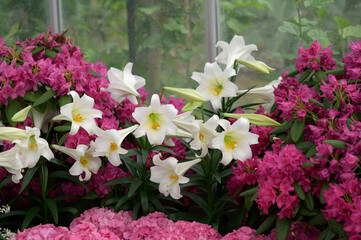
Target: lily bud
21,115
187,93
255,119
256,66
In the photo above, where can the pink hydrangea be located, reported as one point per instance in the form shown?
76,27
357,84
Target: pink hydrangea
193,230
46,232
244,233
103,219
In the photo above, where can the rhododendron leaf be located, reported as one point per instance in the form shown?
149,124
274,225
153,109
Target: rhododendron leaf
317,103
307,164
268,223
59,38
44,97
311,152
297,130
57,49
50,53
53,209
304,146
91,195
249,192
318,220
340,71
31,96
30,215
118,181
326,234
324,187
284,127
305,75
296,210
291,74
309,202
27,178
64,128
283,227
64,100
299,191
337,227
12,108
336,143
320,76
37,50
134,186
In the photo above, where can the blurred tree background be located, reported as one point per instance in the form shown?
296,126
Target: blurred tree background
166,39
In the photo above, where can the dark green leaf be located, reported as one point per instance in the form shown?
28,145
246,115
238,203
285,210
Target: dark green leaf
144,201
5,181
118,181
37,50
30,215
53,208
66,175
304,146
284,127
283,227
318,220
311,152
249,192
121,201
299,191
63,100
57,49
50,53
162,149
91,195
248,203
304,76
134,186
307,164
267,224
297,130
64,128
337,227
28,176
305,212
291,74
317,103
336,143
57,162
309,202
12,108
43,177
197,199
326,234
136,208
44,97
71,210
340,71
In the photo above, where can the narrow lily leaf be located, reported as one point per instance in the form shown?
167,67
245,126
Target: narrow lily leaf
255,119
21,115
297,130
336,143
118,181
191,106
134,186
53,209
44,97
28,176
283,227
91,195
144,201
121,201
187,93
30,215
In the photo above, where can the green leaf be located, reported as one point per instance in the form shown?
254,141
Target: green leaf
50,53
324,187
197,199
66,175
118,181
336,143
153,41
309,202
53,209
136,208
91,195
163,149
307,164
299,191
283,227
28,176
337,227
43,177
321,36
44,97
284,127
289,27
64,128
311,152
12,108
249,192
37,50
134,186
316,103
267,224
58,40
304,146
5,181
305,75
341,23
121,201
149,10
339,71
30,215
326,234
144,201
71,210
248,203
63,100
297,130
318,220
352,31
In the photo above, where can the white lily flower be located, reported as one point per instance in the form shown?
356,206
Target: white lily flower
84,160
236,49
108,143
204,136
169,174
31,148
214,84
123,84
266,93
234,141
80,113
12,164
155,121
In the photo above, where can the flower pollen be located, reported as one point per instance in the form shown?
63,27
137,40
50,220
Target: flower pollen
84,162
78,118
174,177
113,146
33,145
229,142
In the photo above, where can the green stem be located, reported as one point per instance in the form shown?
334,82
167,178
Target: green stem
49,130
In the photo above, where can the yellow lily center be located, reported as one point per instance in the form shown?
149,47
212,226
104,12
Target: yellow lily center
201,137
78,118
113,146
154,120
217,89
33,145
84,162
230,142
174,178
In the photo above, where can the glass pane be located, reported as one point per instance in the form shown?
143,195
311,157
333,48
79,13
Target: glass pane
23,19
165,39
274,27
